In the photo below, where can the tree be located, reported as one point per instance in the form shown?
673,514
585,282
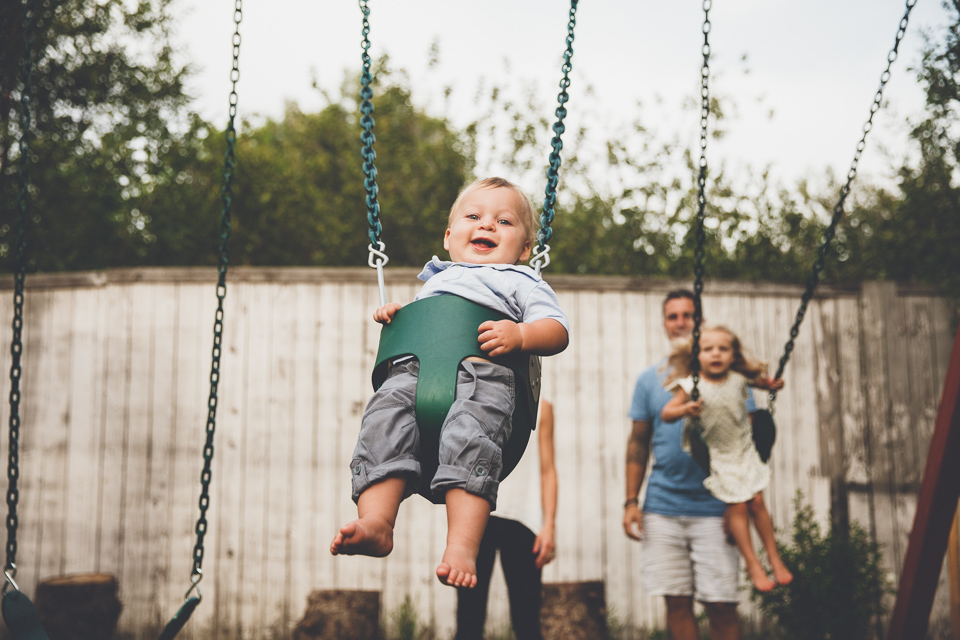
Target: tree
103,115
298,190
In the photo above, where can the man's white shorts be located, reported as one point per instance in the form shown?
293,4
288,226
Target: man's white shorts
689,556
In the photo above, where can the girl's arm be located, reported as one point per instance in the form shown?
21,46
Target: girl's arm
680,406
544,337
770,384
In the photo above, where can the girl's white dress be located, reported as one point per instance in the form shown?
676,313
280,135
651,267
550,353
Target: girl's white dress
736,471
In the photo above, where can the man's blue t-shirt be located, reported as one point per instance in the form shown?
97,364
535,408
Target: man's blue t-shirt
675,487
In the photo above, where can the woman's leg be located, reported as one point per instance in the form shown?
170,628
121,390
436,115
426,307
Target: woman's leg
472,603
523,578
764,525
739,520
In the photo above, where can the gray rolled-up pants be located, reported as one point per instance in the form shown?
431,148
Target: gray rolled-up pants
471,439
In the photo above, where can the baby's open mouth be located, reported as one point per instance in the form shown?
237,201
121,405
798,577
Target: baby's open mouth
484,243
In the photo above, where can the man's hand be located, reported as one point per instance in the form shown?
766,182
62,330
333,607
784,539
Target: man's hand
500,337
633,522
385,314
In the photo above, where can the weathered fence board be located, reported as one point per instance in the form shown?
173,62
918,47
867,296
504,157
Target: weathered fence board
116,376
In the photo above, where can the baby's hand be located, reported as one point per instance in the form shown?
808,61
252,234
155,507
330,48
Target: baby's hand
385,314
500,337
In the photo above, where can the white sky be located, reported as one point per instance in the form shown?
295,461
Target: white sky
815,65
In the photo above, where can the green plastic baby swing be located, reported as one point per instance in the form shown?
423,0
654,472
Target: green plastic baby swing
442,331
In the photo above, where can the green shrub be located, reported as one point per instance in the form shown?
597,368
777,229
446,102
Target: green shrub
406,625
838,585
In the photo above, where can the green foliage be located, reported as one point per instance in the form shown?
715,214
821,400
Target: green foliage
838,583
125,175
299,188
406,625
103,117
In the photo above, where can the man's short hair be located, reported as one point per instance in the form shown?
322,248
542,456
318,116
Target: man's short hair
678,294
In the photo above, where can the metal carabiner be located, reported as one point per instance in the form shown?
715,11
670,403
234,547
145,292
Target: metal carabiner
195,579
10,572
377,259
541,258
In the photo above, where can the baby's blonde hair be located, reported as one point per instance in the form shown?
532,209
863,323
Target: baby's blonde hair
527,211
680,362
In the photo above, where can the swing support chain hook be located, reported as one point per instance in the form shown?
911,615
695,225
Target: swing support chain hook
10,572
541,257
378,259
195,579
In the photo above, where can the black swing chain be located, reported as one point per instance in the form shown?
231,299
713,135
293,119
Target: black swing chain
553,170
16,345
367,137
701,235
829,234
223,259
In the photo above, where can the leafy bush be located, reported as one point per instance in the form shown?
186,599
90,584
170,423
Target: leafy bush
838,584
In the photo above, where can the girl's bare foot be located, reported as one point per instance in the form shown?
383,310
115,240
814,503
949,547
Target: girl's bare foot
759,578
367,536
458,568
780,573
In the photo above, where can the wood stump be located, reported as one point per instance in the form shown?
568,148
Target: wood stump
79,607
574,611
340,615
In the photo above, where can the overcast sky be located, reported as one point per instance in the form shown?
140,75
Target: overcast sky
803,74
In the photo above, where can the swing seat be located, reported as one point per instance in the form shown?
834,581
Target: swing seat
441,332
764,435
21,617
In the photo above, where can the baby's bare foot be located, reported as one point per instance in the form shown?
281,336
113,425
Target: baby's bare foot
458,568
365,537
759,577
781,574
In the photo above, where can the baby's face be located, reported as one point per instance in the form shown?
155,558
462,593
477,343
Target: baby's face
486,229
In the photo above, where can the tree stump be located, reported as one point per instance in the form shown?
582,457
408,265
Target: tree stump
574,611
340,615
79,607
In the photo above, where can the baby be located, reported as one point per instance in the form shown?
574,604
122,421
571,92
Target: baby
491,229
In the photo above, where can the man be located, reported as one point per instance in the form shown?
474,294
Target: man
686,553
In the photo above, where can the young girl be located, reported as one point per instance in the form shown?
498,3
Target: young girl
737,475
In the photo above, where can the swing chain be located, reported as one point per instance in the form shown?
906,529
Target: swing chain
829,234
367,137
223,260
16,345
553,170
701,203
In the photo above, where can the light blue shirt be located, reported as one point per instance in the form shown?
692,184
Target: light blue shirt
676,486
514,290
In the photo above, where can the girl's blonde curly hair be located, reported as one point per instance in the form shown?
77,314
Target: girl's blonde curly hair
680,361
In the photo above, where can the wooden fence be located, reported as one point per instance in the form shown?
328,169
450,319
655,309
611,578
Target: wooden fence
116,375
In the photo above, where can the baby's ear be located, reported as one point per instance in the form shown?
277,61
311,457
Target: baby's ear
525,254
